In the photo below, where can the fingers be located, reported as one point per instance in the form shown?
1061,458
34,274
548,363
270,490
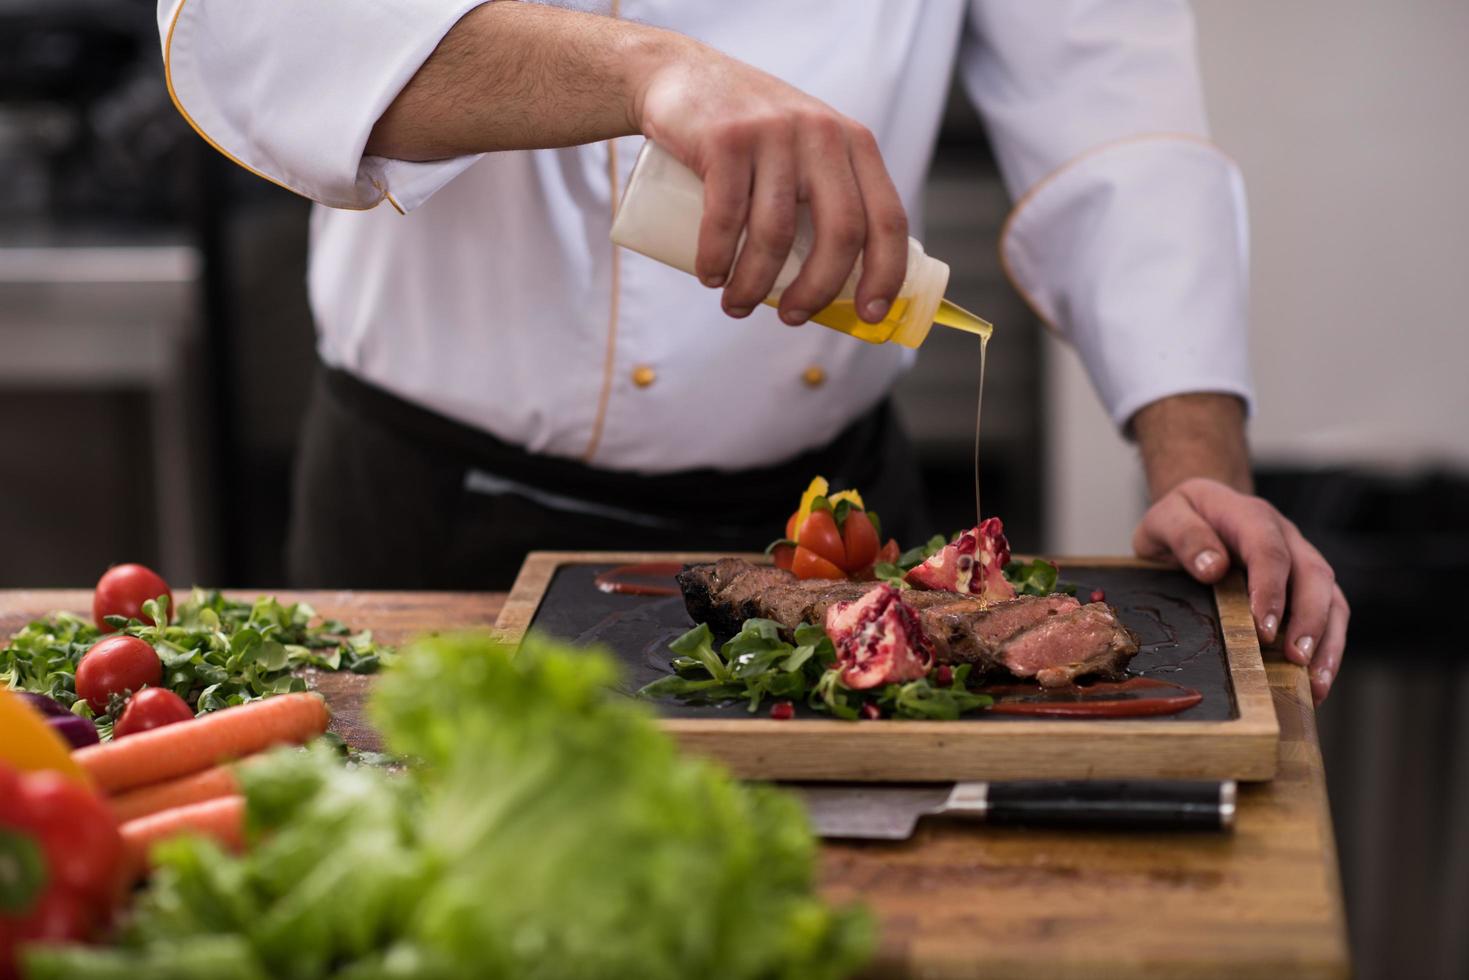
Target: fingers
726,206
856,215
1266,558
771,226
1172,528
1200,516
1255,532
885,254
837,216
1312,590
1332,647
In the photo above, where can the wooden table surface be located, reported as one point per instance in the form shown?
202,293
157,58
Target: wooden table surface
968,901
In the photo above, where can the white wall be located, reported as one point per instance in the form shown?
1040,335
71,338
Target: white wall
1350,119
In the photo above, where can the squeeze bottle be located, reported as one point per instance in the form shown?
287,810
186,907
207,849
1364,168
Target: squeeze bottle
660,215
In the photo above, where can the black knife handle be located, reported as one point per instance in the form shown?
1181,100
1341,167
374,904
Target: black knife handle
1110,804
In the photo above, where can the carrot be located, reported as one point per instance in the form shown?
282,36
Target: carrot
189,746
195,788
221,820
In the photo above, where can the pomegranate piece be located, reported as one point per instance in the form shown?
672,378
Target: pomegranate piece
871,711
878,640
1098,595
974,564
782,711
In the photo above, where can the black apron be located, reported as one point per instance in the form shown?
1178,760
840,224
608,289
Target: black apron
389,495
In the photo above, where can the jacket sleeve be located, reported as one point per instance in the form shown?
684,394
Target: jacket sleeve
290,90
1129,234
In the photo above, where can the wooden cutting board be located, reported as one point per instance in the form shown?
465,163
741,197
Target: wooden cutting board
1200,637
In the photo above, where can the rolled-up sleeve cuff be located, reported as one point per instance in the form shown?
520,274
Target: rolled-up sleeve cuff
291,91
1137,253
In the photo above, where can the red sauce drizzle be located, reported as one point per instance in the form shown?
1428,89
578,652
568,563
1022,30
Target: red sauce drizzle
646,578
1104,699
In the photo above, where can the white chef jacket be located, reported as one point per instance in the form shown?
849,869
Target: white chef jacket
486,289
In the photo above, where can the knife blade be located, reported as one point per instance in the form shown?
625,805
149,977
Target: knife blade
874,811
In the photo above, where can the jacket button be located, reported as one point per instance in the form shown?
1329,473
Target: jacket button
814,376
643,375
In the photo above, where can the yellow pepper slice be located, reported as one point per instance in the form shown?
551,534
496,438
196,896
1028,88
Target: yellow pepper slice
28,743
849,495
818,488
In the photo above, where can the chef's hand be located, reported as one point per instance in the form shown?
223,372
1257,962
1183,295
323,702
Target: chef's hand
511,76
1208,523
761,147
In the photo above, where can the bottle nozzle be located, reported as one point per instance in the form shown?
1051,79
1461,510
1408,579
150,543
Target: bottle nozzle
957,317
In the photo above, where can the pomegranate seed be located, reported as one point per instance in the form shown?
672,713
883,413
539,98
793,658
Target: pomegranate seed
782,711
944,675
1098,595
871,711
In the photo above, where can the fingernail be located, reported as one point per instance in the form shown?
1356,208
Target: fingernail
1269,624
1323,677
795,317
737,311
1206,561
1303,648
876,309
713,282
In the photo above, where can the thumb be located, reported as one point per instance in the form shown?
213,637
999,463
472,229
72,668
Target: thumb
1172,529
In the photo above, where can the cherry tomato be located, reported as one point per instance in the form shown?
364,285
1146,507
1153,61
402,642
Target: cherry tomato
808,564
116,665
791,525
77,832
860,539
821,536
889,552
783,555
152,707
123,589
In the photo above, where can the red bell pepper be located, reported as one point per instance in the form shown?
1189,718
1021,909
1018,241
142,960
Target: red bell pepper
60,861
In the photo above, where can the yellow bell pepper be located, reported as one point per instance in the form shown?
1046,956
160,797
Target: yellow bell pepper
818,488
28,743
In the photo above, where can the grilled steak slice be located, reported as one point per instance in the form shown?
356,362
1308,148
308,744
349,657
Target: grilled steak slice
1052,638
732,590
966,631
1085,640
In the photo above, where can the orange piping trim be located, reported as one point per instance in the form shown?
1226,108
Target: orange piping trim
612,307
1050,178
173,97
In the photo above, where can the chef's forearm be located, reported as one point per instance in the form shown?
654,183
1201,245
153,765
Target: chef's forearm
513,76
1198,435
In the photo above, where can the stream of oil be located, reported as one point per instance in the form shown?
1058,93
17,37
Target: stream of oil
952,315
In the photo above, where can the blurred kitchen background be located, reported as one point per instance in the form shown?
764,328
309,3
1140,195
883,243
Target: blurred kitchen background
155,348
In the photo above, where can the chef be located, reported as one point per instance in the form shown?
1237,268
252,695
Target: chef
498,376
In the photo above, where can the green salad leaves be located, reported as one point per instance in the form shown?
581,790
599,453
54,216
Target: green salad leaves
216,653
546,829
756,664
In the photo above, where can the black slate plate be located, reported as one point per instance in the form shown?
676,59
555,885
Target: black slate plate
1173,616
